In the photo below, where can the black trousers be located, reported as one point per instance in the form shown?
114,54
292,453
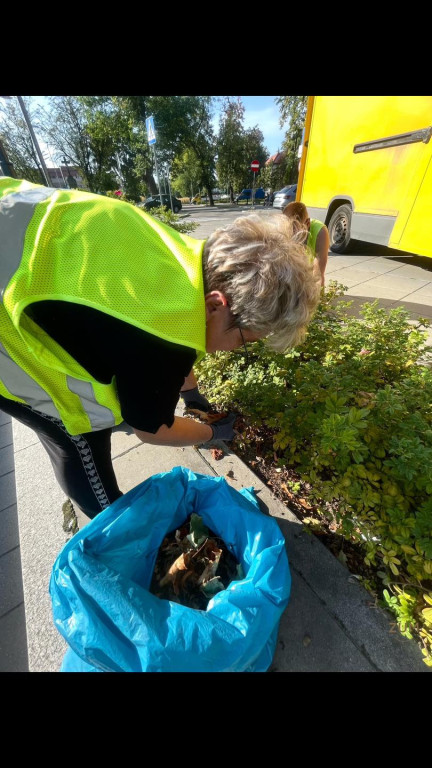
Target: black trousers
82,463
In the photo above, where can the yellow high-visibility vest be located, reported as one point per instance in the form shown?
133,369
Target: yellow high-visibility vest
88,249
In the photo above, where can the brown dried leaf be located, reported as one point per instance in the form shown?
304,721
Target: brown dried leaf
217,453
181,564
210,570
304,504
208,417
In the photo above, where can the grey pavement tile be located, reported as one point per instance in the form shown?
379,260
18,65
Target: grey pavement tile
23,436
309,641
370,291
413,302
9,531
11,585
6,435
336,261
7,463
412,272
423,294
392,280
378,266
4,418
7,490
13,641
349,276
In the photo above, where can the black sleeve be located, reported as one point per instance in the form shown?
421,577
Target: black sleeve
148,382
148,371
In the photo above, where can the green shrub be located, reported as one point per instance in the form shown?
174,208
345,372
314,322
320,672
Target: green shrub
173,220
351,411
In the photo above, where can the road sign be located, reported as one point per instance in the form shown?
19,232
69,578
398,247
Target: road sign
151,133
255,166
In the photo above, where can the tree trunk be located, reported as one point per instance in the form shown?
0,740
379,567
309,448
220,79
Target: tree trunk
151,182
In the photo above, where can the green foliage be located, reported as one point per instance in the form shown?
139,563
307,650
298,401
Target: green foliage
17,142
173,220
237,147
351,412
293,111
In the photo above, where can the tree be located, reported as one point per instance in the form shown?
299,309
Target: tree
237,147
254,149
230,145
66,127
186,174
16,139
183,125
292,109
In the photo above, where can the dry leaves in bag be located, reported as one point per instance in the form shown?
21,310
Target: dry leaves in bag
193,564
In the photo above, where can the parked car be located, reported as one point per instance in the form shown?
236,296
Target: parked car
246,194
284,196
154,201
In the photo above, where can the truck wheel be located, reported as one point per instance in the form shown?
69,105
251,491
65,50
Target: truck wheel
340,229
176,209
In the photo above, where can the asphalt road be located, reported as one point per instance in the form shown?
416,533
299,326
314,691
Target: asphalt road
369,272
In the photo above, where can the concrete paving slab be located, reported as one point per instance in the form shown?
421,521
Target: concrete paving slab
411,271
11,589
7,490
350,276
39,500
309,641
416,310
346,260
23,437
394,282
5,435
6,460
13,641
9,531
369,291
378,267
423,294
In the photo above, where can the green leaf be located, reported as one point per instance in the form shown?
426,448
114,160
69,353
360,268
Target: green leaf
212,587
198,531
427,613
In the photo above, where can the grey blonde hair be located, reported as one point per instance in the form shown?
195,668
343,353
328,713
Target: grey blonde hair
260,265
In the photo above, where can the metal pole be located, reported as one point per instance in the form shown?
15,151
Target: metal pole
253,189
157,174
34,139
169,186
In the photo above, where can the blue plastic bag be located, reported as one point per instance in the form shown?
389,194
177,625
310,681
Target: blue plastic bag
100,581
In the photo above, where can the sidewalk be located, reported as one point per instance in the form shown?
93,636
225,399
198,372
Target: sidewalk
330,624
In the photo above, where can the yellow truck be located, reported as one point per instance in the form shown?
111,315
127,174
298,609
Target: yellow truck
366,172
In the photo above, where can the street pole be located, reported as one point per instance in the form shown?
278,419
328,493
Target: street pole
157,174
168,168
34,139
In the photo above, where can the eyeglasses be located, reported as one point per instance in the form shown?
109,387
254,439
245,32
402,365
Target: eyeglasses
244,345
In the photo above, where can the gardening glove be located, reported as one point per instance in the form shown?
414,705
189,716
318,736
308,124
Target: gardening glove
224,428
193,399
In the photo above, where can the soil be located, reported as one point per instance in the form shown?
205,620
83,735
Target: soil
257,453
350,553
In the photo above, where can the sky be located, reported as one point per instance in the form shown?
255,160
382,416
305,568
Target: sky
259,110
264,112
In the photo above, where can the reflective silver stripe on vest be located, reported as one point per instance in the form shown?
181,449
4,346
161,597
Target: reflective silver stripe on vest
20,384
16,211
100,416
